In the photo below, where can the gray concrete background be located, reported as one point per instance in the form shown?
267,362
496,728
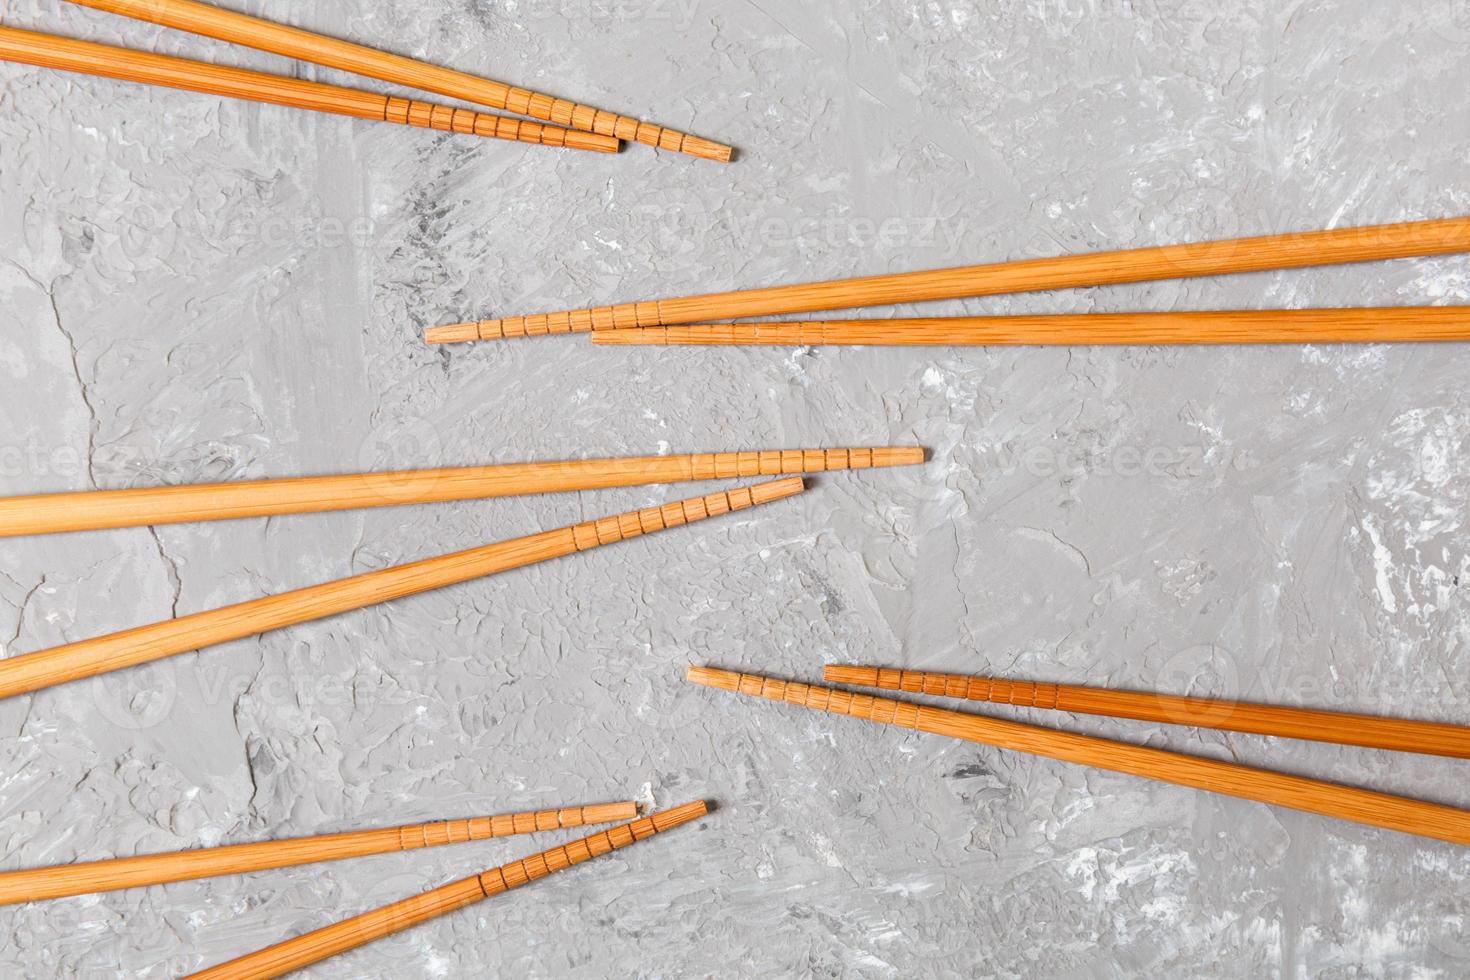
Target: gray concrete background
193,290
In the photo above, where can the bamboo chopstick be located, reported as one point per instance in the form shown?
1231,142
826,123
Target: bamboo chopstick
1230,779
1292,251
1341,326
88,658
319,944
94,510
1370,731
69,54
293,42
85,878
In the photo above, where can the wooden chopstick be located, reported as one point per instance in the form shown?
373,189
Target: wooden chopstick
89,877
69,54
1230,779
1341,326
1292,251
293,42
88,658
319,944
94,510
1341,728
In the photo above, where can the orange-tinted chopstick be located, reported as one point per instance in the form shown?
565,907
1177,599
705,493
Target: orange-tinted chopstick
1355,325
140,506
1371,731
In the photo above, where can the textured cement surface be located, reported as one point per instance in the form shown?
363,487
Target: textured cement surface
193,290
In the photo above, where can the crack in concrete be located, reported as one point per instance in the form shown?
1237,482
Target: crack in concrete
83,389
1076,554
93,425
171,565
12,580
20,618
250,743
20,622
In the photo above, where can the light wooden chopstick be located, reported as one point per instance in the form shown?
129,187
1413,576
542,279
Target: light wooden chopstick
88,658
94,510
1341,728
1230,779
69,54
293,42
89,877
1319,326
319,944
1291,251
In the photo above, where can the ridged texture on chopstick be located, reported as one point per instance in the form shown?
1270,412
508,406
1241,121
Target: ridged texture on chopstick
1371,731
315,946
1342,326
1279,789
254,32
83,878
1063,272
87,658
55,513
68,54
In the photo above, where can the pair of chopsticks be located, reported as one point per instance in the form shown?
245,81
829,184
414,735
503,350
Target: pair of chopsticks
93,877
31,672
573,125
320,944
1362,806
686,320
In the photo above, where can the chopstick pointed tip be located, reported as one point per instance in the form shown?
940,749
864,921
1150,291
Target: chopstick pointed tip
454,333
772,490
724,680
674,816
901,456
